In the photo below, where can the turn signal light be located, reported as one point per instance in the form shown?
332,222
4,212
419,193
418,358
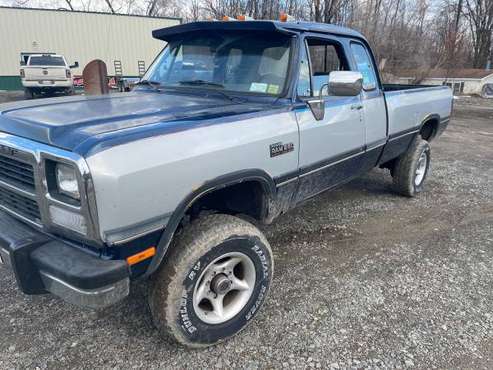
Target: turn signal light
141,256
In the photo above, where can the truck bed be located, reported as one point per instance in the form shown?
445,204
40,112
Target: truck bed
410,105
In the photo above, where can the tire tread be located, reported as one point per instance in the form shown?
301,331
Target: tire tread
194,241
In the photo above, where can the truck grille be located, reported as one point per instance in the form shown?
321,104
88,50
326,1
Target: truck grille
16,173
19,204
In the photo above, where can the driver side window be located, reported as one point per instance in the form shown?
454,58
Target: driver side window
323,57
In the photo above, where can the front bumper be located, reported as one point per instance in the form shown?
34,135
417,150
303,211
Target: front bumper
42,264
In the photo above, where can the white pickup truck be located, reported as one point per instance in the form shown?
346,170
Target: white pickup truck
46,74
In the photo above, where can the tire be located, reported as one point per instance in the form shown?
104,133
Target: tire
197,253
28,93
407,180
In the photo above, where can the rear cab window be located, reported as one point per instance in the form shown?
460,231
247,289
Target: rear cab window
46,60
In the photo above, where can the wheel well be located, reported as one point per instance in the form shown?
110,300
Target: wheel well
429,129
247,198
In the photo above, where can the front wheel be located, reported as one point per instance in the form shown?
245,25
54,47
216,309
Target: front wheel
213,283
410,169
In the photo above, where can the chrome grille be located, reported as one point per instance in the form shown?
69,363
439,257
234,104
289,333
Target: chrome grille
17,173
19,204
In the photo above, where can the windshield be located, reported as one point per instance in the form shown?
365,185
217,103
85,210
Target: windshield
46,60
237,62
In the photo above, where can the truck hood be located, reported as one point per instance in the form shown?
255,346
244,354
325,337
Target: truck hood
82,123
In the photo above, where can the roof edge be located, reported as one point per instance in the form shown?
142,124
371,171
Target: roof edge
89,12
261,25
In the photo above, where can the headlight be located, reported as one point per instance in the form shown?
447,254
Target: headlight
66,179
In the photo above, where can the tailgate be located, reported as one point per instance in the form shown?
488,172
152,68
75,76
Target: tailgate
45,73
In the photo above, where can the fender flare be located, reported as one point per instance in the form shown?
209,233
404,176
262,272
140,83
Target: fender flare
220,182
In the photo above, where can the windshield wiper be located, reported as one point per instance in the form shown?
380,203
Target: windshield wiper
153,84
200,83
208,83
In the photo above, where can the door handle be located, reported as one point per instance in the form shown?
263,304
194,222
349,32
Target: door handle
357,106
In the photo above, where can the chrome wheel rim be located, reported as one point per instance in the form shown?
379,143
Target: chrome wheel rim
224,288
421,169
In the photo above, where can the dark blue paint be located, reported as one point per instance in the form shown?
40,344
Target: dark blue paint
88,124
252,26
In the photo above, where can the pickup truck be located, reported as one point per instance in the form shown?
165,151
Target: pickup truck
46,74
234,124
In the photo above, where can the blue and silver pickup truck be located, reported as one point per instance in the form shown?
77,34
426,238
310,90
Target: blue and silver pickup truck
233,124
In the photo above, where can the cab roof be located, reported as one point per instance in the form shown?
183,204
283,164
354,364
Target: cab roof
169,33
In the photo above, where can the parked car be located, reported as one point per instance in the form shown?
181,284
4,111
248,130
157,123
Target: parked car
234,124
46,74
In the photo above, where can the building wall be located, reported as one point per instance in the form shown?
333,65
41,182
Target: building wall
79,36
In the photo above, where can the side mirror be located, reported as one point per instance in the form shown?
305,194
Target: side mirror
345,83
75,65
340,83
22,63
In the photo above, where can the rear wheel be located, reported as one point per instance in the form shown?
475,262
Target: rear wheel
410,169
213,283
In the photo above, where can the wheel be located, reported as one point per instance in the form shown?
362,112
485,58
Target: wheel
28,93
410,169
214,281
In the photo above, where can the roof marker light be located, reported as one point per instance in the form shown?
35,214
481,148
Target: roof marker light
228,18
285,17
245,18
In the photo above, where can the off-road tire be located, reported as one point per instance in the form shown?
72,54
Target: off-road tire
404,170
172,287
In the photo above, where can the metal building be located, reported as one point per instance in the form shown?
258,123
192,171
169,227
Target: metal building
80,36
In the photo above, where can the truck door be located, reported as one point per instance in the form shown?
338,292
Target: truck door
373,100
330,148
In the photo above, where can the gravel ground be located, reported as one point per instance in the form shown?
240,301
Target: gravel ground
364,279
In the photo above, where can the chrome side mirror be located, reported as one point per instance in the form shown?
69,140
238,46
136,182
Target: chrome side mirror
345,83
340,83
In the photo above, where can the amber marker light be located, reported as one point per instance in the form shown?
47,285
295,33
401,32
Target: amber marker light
244,18
141,256
286,17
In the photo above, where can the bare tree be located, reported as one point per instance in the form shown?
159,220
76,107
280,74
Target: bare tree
69,3
110,6
480,16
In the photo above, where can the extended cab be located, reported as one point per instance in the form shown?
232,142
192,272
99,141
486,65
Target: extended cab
234,124
46,74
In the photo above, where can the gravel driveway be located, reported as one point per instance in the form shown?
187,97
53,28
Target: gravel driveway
364,279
